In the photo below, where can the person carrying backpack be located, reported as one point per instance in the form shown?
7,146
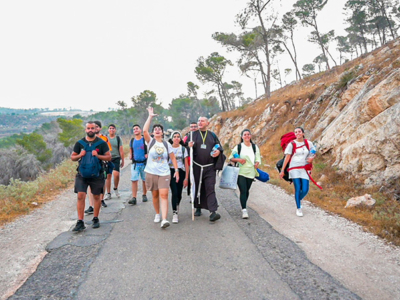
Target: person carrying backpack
90,152
158,174
297,155
247,156
138,155
181,155
117,154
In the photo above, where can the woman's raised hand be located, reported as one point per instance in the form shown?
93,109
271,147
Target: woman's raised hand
151,112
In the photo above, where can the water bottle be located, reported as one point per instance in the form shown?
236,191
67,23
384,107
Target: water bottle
236,155
313,151
216,147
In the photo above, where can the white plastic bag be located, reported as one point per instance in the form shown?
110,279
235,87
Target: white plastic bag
229,178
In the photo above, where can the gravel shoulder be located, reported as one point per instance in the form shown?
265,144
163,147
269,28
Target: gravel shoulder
360,261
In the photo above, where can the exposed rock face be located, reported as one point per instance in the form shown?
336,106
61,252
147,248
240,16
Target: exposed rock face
358,124
365,134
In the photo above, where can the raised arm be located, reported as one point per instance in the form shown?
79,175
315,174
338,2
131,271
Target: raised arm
146,126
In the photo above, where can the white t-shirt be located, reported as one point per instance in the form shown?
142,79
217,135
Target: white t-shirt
299,159
178,155
157,160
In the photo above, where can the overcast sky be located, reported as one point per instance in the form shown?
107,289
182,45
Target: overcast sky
91,54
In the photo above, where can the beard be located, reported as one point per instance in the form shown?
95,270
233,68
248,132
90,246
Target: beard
90,134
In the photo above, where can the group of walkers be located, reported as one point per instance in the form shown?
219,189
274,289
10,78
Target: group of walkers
163,166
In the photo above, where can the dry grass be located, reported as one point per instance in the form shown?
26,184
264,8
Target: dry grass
18,197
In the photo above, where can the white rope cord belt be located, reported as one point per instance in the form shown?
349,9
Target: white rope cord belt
201,176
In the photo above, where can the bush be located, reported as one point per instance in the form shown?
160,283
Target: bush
345,79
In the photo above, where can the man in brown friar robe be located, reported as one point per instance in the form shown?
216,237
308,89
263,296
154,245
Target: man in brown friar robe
204,168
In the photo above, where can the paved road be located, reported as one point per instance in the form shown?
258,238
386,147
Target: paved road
130,257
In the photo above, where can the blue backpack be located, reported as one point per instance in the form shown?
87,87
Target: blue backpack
89,165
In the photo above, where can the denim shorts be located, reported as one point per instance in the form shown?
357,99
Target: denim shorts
138,172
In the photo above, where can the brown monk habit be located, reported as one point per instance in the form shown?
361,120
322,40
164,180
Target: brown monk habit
201,155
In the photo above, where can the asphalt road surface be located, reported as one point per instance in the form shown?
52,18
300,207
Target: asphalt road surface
131,257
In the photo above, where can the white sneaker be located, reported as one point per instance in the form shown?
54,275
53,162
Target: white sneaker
299,213
117,193
164,223
245,215
175,218
157,218
107,196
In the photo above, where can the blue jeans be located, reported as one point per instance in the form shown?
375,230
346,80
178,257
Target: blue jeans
301,187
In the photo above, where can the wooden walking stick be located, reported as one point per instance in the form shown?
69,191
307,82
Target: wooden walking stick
192,176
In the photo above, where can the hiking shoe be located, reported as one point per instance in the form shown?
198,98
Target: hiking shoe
89,211
144,198
197,213
80,226
117,193
299,213
107,196
214,216
175,217
103,203
157,218
164,223
96,222
245,215
132,201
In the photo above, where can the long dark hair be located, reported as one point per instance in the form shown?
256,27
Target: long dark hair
241,135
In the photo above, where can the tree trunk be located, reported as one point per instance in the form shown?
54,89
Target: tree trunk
320,43
266,42
295,57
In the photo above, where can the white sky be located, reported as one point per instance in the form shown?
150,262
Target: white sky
90,54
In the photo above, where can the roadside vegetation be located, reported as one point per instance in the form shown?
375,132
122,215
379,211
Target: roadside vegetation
21,197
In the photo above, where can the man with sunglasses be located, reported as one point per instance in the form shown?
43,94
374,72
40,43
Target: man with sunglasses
96,184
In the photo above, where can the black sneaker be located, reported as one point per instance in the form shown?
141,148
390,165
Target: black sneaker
89,211
80,226
96,222
132,201
214,216
144,198
197,212
103,203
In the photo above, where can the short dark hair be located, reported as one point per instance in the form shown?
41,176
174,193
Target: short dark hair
193,123
137,126
158,125
112,125
98,123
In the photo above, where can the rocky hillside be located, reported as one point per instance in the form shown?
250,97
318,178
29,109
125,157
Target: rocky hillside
352,112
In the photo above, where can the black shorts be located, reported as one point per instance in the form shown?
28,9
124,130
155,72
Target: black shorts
117,163
96,185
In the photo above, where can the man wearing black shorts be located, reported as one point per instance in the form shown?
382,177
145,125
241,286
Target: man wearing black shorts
117,154
96,184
